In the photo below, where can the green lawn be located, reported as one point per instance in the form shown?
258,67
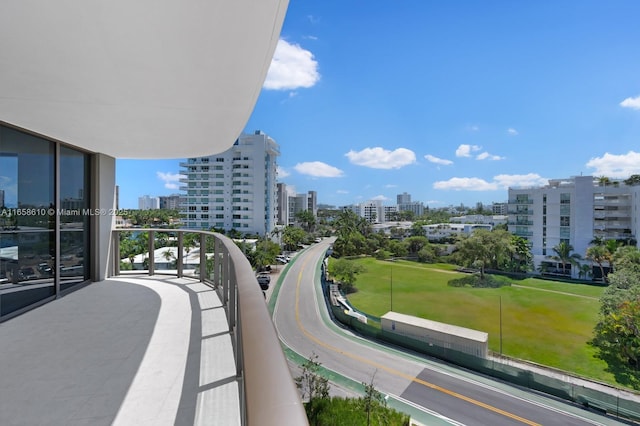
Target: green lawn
542,321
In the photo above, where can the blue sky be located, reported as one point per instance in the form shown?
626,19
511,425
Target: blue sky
452,102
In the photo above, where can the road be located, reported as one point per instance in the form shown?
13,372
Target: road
442,394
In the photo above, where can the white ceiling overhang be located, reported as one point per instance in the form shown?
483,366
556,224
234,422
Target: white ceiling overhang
136,78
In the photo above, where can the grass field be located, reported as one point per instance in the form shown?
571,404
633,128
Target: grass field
542,321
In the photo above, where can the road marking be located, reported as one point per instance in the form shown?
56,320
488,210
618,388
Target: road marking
394,371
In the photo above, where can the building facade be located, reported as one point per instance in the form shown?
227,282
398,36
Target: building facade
147,202
301,203
574,211
235,189
283,204
403,198
169,202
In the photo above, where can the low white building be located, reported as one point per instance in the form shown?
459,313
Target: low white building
445,231
433,333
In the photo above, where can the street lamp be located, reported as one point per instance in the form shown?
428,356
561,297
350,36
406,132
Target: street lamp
500,325
391,286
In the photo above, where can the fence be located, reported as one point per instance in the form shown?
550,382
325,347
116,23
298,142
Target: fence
592,398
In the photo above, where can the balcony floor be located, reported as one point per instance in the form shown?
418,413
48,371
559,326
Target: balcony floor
128,350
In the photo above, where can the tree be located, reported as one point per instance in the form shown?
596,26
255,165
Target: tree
598,254
346,272
352,233
372,398
417,230
585,271
617,334
564,256
628,258
632,180
416,243
168,256
483,249
293,236
520,254
313,387
307,219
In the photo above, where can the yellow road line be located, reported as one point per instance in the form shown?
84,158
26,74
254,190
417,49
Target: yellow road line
394,371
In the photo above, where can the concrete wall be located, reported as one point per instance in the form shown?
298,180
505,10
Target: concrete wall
448,336
103,200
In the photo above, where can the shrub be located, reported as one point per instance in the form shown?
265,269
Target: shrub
475,281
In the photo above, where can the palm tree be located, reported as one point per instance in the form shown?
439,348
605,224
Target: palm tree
564,256
612,246
585,271
598,254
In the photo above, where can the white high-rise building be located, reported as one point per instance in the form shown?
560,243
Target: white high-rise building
404,198
302,202
235,189
573,210
148,203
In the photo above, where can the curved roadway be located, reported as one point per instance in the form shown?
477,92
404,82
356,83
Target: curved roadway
433,392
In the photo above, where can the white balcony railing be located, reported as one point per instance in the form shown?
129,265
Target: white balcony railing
268,395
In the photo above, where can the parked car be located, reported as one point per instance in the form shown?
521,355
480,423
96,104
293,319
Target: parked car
27,274
264,280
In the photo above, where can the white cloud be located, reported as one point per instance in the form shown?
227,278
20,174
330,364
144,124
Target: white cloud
437,160
291,190
380,158
512,131
474,128
282,173
390,185
171,180
292,67
342,191
616,166
318,169
465,184
486,156
499,182
379,197
465,150
515,181
633,103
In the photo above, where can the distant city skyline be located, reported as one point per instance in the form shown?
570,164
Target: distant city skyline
452,103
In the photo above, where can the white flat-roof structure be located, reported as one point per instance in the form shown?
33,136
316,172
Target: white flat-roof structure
436,333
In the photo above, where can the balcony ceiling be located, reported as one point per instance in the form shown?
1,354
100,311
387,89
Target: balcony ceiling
136,79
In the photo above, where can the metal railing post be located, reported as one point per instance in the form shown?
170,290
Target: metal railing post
180,255
231,311
216,262
225,277
151,259
203,257
115,270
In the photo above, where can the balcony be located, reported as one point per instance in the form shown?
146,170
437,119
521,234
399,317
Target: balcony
224,279
166,343
520,222
515,201
520,212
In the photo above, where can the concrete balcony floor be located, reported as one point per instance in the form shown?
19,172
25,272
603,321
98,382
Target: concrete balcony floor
125,351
